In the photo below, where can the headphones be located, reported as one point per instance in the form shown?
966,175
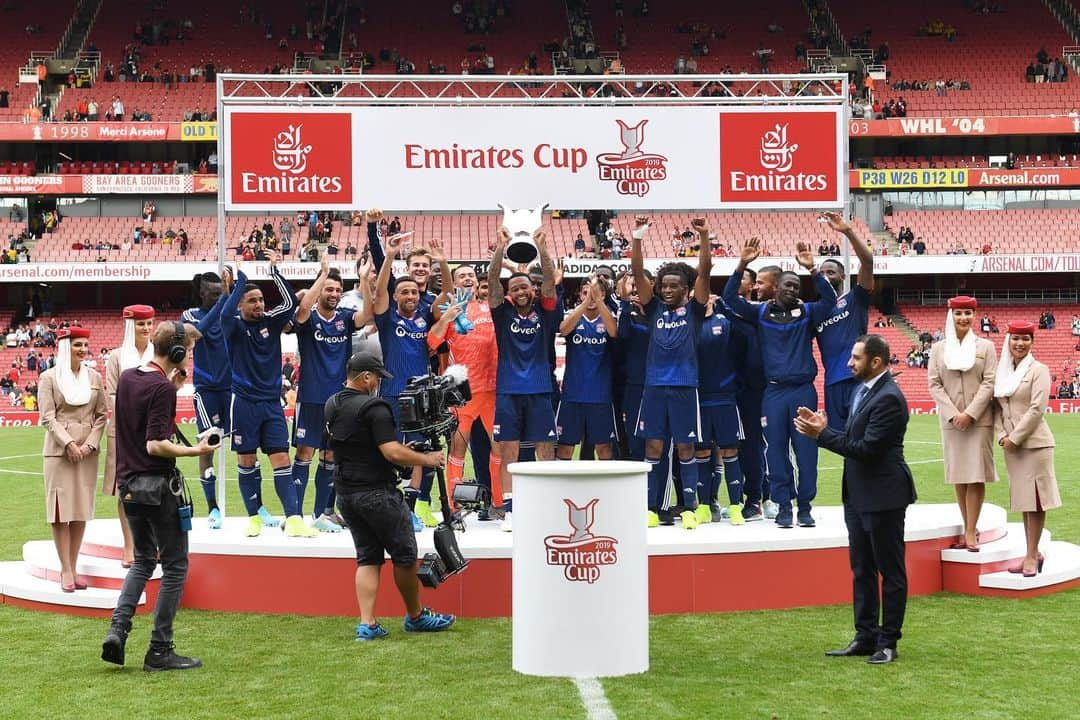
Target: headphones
178,349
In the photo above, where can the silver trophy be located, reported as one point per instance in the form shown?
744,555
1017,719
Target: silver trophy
521,224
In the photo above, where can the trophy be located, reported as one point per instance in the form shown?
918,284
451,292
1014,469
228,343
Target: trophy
521,224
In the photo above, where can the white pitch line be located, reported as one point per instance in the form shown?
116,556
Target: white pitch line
593,698
909,462
19,457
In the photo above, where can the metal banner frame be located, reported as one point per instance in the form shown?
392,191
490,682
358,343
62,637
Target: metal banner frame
828,90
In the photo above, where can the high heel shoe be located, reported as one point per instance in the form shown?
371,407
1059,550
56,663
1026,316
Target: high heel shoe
1017,568
80,585
67,587
1038,567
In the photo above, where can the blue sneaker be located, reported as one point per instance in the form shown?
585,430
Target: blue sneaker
417,523
213,521
805,519
784,518
268,520
370,632
428,621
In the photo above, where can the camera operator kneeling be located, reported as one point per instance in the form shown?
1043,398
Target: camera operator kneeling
153,492
362,433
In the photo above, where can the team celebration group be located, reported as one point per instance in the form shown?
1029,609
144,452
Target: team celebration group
704,388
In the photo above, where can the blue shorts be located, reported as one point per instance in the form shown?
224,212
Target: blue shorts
258,425
721,424
669,412
212,409
595,422
308,426
526,418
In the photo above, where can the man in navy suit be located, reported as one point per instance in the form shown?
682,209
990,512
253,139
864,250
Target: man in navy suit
877,488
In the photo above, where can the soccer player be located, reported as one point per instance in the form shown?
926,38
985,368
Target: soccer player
836,333
633,344
213,377
721,426
525,330
417,261
669,403
253,338
785,333
585,412
477,351
323,333
403,329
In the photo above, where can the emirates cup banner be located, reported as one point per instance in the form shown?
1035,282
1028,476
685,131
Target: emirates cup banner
472,158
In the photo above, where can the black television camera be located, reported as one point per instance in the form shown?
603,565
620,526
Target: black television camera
425,406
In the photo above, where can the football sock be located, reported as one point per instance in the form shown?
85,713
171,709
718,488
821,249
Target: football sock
249,489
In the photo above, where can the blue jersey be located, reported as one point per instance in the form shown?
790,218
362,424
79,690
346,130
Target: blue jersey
325,346
745,350
525,343
718,381
836,333
785,336
212,369
588,363
673,334
255,347
404,347
633,343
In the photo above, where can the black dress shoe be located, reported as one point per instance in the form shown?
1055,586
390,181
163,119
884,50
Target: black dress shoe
855,648
166,659
882,656
112,649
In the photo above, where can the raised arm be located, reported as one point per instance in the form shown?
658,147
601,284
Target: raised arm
444,328
637,260
438,255
611,325
495,288
311,296
866,257
364,315
374,215
704,267
570,321
547,265
283,312
382,284
232,302
733,302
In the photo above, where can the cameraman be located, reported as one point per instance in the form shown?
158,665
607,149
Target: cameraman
363,436
149,485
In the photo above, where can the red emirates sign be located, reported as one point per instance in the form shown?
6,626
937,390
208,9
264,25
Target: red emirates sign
778,157
290,159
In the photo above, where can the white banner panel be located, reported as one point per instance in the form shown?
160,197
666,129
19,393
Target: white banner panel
472,158
122,271
137,184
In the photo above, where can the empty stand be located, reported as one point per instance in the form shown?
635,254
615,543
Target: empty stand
1009,231
991,51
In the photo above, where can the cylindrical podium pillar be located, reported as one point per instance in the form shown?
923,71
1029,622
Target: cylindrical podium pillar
580,569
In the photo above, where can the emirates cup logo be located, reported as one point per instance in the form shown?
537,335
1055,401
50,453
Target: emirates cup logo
581,554
776,153
632,170
290,154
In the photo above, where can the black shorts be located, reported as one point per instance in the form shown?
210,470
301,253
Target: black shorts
381,524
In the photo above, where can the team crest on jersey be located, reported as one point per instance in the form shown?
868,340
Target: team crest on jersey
796,312
680,311
717,329
841,303
533,317
339,325
265,333
600,329
420,323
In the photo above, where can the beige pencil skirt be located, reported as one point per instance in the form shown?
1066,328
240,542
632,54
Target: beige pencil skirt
969,455
1032,483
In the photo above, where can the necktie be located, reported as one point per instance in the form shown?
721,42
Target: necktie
859,395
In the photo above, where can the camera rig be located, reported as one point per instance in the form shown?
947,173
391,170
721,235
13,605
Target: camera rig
426,406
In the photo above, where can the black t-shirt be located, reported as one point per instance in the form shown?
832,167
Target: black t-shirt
356,427
145,410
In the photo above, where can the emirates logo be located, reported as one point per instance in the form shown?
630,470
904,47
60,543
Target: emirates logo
581,554
776,153
290,154
632,170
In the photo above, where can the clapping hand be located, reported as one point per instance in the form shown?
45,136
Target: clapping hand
811,423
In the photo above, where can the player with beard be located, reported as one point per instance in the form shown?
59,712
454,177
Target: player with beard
253,338
324,332
525,330
213,377
403,329
785,333
669,403
721,427
759,286
836,333
477,351
585,411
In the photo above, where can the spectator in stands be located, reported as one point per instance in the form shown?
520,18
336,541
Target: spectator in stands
1075,325
117,109
149,211
579,245
395,225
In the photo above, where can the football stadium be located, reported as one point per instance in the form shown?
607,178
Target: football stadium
587,359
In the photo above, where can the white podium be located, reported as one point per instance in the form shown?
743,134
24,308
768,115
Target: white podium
580,569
